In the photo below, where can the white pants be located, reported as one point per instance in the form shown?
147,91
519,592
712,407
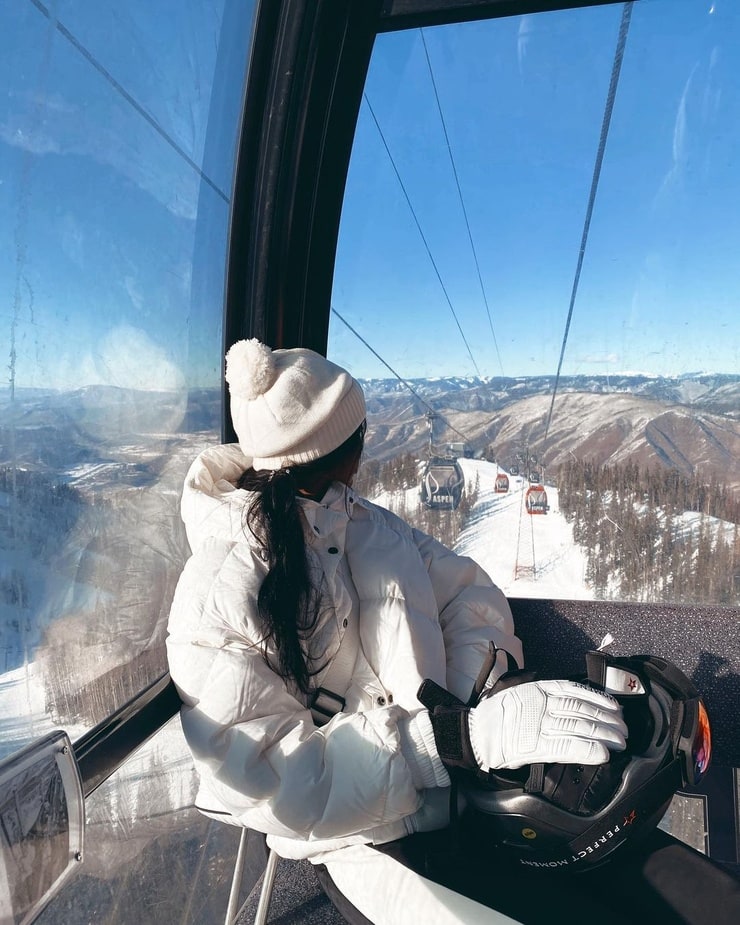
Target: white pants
388,893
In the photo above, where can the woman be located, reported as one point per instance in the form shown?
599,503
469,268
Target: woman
303,626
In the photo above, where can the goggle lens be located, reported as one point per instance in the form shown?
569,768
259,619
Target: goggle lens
701,748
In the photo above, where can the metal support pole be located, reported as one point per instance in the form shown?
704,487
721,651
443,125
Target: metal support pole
268,882
236,880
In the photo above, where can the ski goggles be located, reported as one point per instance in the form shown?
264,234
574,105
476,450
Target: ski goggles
694,746
692,736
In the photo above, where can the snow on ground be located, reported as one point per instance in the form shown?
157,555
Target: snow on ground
527,555
23,713
403,499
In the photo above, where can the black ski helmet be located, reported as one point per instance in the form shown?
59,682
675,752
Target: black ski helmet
573,817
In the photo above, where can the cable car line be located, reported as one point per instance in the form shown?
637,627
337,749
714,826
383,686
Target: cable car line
517,567
423,238
91,59
462,201
616,68
534,557
537,506
400,378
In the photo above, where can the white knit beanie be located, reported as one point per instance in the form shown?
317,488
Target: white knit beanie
290,406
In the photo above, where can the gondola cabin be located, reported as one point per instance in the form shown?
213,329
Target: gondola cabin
286,170
442,484
460,449
535,500
501,485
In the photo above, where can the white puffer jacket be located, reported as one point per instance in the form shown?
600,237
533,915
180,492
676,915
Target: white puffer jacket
372,773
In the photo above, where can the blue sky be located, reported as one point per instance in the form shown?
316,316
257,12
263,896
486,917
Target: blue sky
108,237
523,101
111,246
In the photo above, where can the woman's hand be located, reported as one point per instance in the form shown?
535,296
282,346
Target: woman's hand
539,721
546,721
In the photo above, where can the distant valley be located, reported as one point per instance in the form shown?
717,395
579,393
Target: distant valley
691,424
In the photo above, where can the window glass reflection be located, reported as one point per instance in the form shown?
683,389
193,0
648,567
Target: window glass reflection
149,854
536,261
117,139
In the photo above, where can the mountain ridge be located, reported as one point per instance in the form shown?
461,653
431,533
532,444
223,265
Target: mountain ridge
690,423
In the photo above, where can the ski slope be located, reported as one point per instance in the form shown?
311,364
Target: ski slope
527,555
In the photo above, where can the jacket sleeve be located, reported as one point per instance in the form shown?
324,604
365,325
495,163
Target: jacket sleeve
473,612
255,745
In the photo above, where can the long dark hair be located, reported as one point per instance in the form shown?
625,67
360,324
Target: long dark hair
288,601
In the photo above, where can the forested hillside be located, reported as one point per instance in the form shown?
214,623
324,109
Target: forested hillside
648,534
652,534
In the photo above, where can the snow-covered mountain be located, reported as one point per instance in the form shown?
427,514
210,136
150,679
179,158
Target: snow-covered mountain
691,425
719,392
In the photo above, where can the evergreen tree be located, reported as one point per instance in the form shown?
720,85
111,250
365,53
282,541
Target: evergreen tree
633,525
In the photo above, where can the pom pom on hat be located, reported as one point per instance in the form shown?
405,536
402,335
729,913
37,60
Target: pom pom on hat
290,406
250,369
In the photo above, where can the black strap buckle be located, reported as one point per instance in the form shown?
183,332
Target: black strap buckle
325,704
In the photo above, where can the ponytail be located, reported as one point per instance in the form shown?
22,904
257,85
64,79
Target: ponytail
288,602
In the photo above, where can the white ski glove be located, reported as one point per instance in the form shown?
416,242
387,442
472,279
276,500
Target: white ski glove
539,721
546,721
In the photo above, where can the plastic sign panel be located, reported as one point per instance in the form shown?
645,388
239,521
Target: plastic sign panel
42,818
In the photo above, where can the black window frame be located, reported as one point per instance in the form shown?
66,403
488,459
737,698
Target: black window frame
307,74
